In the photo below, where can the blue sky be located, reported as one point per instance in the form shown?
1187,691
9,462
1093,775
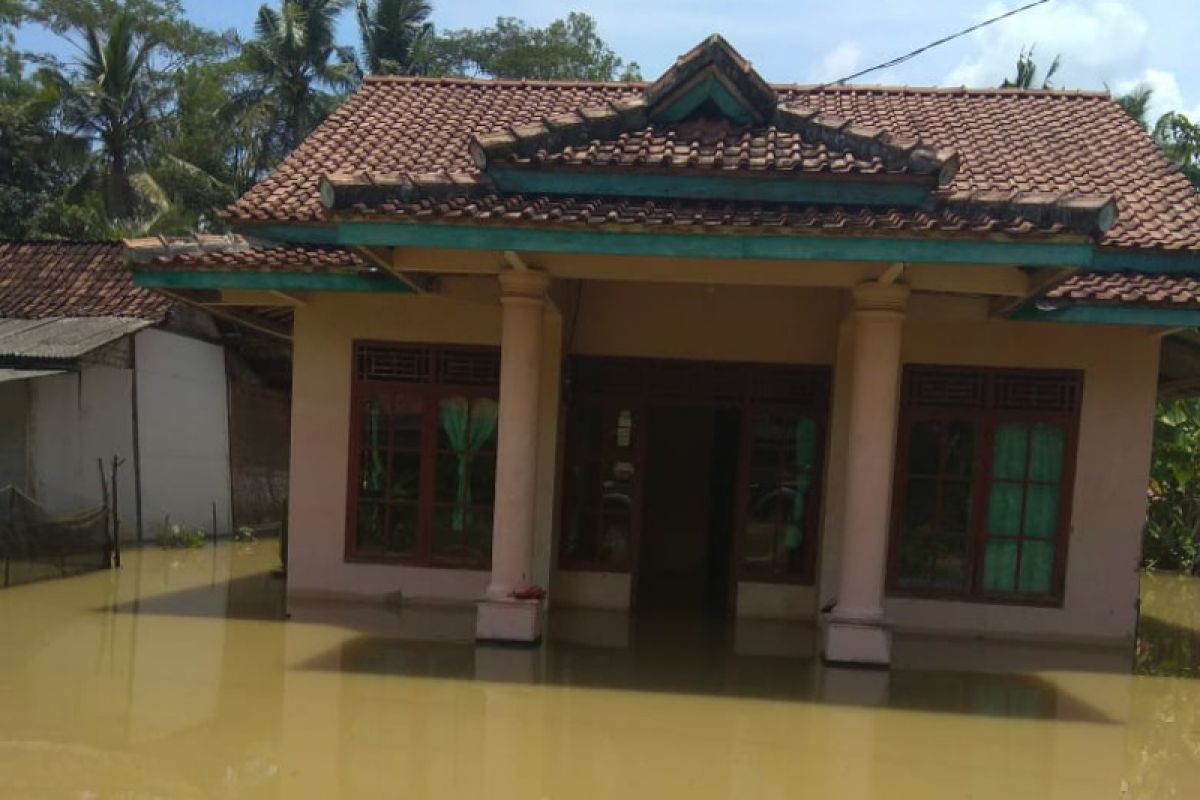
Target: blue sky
1117,43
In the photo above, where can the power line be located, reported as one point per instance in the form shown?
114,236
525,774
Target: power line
909,56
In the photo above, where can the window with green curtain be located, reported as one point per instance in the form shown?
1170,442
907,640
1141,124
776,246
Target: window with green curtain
784,454
423,455
1023,507
996,439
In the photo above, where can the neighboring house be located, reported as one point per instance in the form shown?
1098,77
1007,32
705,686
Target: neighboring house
92,367
714,343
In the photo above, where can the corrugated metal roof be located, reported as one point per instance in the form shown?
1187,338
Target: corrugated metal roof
7,375
64,337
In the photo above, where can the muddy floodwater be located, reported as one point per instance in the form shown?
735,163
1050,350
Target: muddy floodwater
178,677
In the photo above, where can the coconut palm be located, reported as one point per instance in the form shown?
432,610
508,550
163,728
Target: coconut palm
1027,72
292,64
393,34
113,99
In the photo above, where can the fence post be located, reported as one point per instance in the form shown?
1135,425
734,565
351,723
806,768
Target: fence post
116,520
108,542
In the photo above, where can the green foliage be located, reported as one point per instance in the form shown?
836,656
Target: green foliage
181,537
1027,72
566,49
296,75
395,35
1136,103
1179,138
1172,539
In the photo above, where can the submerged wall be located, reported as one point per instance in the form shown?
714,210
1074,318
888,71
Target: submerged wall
183,432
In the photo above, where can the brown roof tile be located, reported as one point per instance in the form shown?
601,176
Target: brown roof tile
1008,141
42,279
235,254
693,215
1129,288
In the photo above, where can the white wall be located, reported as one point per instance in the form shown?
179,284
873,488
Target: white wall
75,419
183,431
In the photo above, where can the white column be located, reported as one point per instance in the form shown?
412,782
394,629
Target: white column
856,631
523,296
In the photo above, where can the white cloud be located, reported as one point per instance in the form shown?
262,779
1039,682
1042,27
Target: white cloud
1099,41
1167,95
839,62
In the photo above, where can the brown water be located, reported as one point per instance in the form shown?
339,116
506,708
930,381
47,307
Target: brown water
177,677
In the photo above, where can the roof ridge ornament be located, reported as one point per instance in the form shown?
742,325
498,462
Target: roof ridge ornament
712,71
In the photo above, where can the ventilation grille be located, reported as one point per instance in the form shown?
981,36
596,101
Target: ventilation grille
1037,391
437,364
946,387
1000,389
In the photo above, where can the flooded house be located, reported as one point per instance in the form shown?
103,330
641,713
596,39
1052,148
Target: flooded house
878,358
93,368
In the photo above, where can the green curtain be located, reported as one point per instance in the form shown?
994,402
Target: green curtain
1027,466
373,467
468,428
806,445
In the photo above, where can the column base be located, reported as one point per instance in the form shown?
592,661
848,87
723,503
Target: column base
858,640
508,621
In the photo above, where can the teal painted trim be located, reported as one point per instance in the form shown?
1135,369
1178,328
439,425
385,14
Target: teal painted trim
714,245
775,189
1158,263
1113,315
710,88
281,281
295,234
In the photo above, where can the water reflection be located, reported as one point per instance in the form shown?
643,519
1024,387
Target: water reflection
179,677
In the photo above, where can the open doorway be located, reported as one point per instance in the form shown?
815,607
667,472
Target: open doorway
690,498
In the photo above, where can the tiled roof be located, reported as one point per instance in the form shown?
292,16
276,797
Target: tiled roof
1129,288
234,253
45,279
727,148
694,215
1009,141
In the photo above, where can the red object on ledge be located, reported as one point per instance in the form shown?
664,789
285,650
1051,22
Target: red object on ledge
529,593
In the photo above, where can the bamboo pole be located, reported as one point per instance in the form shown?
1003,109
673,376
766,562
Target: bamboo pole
108,542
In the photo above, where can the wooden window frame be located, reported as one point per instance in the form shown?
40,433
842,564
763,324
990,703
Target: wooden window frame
986,419
751,387
430,392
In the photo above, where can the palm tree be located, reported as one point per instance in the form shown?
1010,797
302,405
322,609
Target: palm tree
113,99
393,33
1027,71
291,62
1136,103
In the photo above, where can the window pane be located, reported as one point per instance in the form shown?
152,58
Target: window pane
1046,455
959,449
1041,510
1008,456
451,478
402,528
372,473
782,466
1004,509
916,561
462,534
369,532
405,422
921,507
1037,566
483,479
950,567
1000,565
925,447
600,490
406,476
956,506
374,423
